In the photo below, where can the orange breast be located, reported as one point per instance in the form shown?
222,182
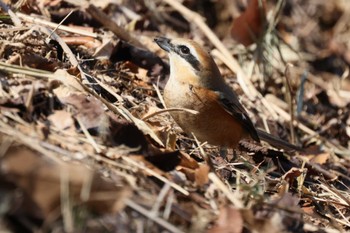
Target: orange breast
212,123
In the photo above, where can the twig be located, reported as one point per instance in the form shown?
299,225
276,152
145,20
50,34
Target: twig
120,32
66,49
336,192
88,135
152,217
159,94
169,110
312,228
66,202
290,99
119,109
29,101
72,59
326,201
38,21
204,155
197,147
109,90
345,221
168,205
14,29
220,185
16,21
107,161
300,93
31,142
321,170
25,70
160,198
60,24
339,149
141,125
153,173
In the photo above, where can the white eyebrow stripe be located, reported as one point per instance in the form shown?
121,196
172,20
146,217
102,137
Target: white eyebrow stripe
193,52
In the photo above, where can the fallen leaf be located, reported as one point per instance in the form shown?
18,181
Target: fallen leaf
310,210
62,120
188,162
41,179
86,41
321,158
201,174
249,26
70,84
87,108
230,221
292,174
105,50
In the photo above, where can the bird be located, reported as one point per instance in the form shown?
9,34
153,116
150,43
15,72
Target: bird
195,83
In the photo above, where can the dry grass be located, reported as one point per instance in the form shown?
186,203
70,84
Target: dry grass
86,145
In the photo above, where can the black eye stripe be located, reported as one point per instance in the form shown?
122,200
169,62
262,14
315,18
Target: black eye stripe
186,54
193,61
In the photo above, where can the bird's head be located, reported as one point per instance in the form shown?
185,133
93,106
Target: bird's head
190,62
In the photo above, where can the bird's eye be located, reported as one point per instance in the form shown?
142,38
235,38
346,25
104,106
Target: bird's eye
184,49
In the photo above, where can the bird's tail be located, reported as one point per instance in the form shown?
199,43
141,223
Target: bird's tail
276,142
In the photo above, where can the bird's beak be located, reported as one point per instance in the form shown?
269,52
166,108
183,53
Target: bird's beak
164,43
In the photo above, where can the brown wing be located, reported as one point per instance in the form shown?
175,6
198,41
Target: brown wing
235,109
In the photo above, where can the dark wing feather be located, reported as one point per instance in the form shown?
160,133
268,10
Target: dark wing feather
235,109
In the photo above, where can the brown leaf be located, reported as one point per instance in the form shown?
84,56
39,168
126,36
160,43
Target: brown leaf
35,60
189,173
70,84
89,110
86,41
265,222
188,162
249,26
229,221
293,220
62,120
41,179
201,174
105,50
274,220
292,174
310,210
321,158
